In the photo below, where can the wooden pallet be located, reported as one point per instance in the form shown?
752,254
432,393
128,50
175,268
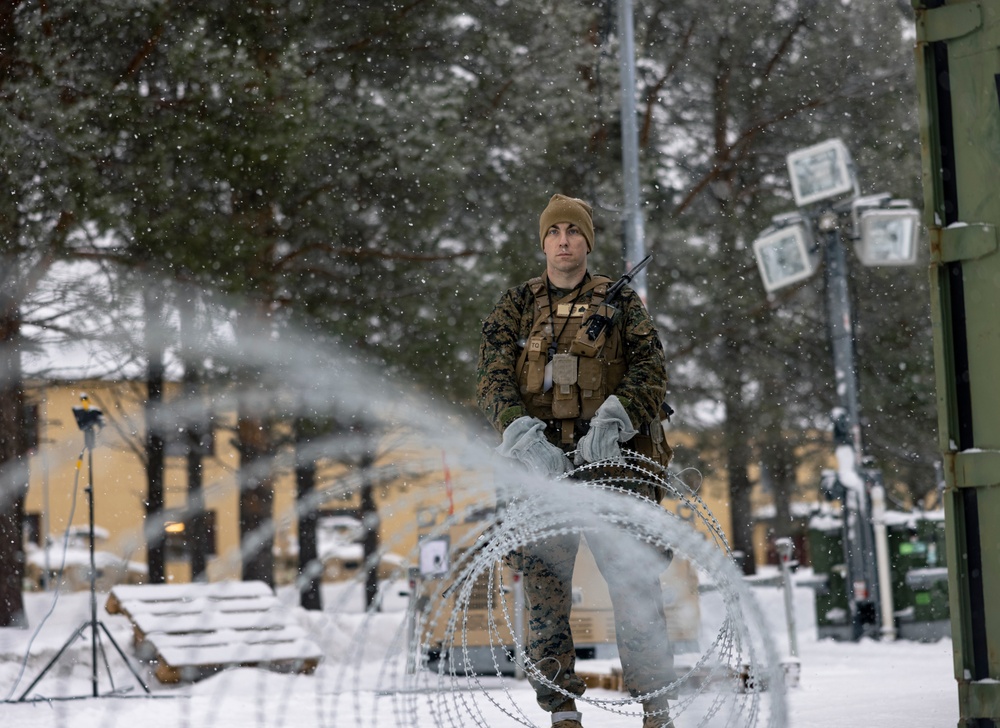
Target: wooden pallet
195,630
605,680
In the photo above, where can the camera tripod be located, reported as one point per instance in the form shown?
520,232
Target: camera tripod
89,419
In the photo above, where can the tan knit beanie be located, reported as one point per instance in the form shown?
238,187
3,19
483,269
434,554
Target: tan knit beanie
567,209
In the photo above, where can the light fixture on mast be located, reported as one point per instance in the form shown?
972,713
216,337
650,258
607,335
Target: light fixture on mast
820,172
888,236
786,253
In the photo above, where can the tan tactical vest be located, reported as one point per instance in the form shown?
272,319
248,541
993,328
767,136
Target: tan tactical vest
579,376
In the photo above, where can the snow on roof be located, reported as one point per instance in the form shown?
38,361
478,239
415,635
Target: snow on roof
825,522
82,533
75,556
832,521
910,519
338,522
798,509
339,537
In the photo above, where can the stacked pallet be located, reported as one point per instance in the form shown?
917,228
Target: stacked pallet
194,630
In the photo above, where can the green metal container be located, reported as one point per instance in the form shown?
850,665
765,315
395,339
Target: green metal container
919,575
826,552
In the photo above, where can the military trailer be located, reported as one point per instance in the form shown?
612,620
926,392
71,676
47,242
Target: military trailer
919,575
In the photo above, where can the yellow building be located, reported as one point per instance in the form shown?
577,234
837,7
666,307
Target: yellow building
57,500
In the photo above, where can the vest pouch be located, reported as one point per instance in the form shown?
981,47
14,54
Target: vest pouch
602,319
615,373
535,366
582,345
591,383
565,393
652,443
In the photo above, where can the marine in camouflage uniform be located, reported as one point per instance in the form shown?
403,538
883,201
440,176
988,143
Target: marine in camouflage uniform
506,395
507,328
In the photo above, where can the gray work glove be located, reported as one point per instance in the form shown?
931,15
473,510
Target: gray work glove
523,441
610,425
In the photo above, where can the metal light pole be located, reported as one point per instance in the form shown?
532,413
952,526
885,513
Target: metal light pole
838,306
635,246
862,583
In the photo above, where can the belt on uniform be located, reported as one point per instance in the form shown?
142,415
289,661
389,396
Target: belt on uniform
575,429
569,431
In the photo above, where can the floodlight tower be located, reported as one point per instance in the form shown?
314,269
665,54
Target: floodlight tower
885,231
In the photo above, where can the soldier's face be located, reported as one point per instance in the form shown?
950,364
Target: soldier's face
565,250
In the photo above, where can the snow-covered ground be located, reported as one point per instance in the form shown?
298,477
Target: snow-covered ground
843,685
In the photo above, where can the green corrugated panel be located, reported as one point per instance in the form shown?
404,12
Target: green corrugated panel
958,71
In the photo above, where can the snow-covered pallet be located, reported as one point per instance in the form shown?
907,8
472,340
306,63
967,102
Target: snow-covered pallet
193,630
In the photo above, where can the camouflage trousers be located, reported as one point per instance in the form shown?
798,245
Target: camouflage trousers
632,572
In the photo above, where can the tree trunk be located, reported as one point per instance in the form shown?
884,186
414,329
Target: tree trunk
13,469
256,495
154,438
310,567
738,456
197,542
370,525
741,511
779,461
256,500
195,432
256,447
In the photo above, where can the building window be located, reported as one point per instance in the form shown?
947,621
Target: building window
32,528
178,535
31,427
177,443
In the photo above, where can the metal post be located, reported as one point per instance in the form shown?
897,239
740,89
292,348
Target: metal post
46,520
884,567
88,436
635,246
862,586
785,550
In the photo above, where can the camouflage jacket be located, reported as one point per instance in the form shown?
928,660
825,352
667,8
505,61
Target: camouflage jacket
506,330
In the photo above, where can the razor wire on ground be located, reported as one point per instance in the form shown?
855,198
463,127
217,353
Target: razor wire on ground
416,669
736,680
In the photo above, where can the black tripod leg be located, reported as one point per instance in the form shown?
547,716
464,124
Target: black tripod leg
79,631
122,655
107,664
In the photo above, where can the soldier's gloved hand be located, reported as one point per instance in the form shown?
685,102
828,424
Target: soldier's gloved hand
523,441
610,426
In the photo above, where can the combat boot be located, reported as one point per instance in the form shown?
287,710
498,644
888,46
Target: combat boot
567,716
655,713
